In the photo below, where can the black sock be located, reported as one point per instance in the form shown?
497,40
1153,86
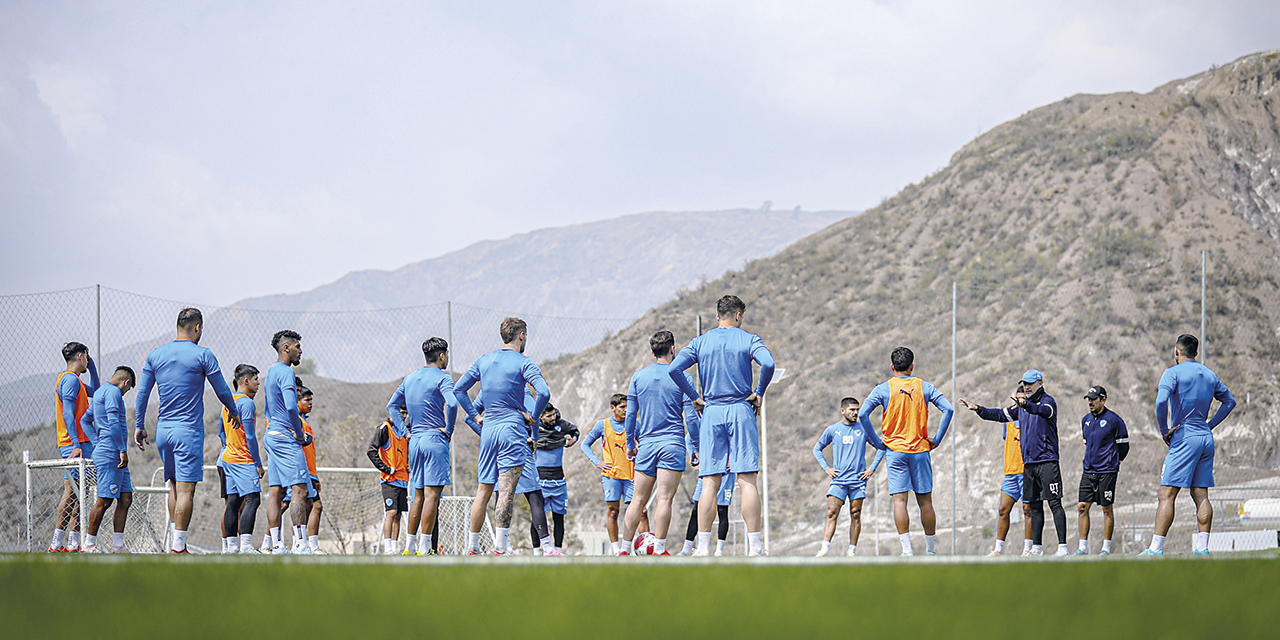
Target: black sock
1059,519
229,515
538,513
1037,522
533,534
692,533
722,511
558,520
435,533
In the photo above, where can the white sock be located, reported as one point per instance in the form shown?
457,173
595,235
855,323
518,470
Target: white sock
276,540
614,548
230,544
473,541
548,543
537,551
313,542
719,545
905,539
1202,541
300,535
1062,549
246,542
754,544
179,540
502,538
1084,545
660,547
853,550
999,546
930,543
628,545
73,540
704,541
1157,543
1106,546
117,540
59,536
1037,548
826,547
387,545
92,541
1026,545
688,547
266,542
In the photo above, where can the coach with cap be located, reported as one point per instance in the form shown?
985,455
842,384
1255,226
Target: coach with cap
1106,443
1041,475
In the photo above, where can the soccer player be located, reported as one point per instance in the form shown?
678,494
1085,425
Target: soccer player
508,437
555,434
655,435
178,371
617,472
306,400
389,453
729,435
1106,443
426,397
848,471
905,423
70,409
724,497
111,458
1011,487
1188,388
287,467
241,465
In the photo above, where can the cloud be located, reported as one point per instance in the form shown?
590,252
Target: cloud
74,95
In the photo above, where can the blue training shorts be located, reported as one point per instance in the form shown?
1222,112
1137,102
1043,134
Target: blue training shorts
86,452
528,482
242,479
286,464
654,454
1189,462
503,446
729,439
555,494
847,492
1012,486
181,451
909,472
112,480
428,460
615,489
724,496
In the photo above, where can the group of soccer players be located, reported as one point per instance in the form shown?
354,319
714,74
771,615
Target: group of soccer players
662,425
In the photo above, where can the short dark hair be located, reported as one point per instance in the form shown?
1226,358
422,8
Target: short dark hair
433,347
845,402
728,305
511,328
190,317
661,343
133,377
1188,345
902,359
243,372
617,399
282,335
550,407
71,350
304,392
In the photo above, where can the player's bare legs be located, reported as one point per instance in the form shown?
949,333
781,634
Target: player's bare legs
391,525
1083,509
707,504
96,513
275,502
640,495
297,508
506,496
1204,510
750,500
1002,520
855,521
181,497
611,510
900,517
483,493
1164,512
314,509
927,517
1108,521
665,484
834,505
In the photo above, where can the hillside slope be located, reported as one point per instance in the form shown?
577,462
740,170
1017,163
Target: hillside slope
1074,234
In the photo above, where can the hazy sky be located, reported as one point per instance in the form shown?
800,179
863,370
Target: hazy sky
208,151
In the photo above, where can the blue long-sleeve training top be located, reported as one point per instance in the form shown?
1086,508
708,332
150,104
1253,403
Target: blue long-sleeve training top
68,391
1190,388
848,444
656,407
724,356
427,395
109,418
280,400
503,374
178,371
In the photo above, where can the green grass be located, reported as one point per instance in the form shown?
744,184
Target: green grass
210,597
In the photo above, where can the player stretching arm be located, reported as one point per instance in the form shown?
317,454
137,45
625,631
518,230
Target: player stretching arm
848,471
71,407
1011,486
178,371
111,459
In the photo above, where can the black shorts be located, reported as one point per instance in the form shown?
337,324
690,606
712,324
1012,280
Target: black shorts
1041,481
395,498
1099,488
222,483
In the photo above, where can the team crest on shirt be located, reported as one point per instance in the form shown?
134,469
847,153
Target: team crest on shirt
1102,423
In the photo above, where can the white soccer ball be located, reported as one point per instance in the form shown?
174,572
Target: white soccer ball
643,545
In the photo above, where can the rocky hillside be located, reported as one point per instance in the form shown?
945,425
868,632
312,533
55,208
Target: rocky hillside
1074,236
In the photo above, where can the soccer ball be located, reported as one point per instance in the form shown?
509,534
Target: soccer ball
644,544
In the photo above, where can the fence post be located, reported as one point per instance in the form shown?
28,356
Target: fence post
99,323
955,421
1204,264
84,513
764,472
26,457
448,305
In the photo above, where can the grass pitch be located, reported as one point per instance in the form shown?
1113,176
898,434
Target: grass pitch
304,598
